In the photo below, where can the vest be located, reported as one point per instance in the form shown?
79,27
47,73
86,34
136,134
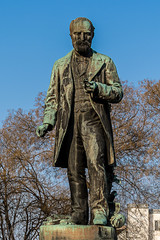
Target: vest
79,67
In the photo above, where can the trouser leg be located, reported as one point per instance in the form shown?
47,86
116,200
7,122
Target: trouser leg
94,144
77,178
79,203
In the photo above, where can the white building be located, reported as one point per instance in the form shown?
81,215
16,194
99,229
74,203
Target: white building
154,224
138,222
142,223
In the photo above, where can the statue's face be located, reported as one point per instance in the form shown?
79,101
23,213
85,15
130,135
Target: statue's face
82,37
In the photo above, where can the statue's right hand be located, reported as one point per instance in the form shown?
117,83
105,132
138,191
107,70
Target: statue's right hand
42,130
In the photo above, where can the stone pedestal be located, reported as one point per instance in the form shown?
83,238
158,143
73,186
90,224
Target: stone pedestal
77,232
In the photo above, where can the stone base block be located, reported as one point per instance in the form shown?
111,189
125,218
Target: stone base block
77,232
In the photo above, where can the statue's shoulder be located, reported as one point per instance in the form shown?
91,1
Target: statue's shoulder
99,56
63,60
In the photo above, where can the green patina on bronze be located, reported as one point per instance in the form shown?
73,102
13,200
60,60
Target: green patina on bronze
75,232
83,85
60,96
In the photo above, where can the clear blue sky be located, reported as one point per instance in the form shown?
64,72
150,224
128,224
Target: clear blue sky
35,33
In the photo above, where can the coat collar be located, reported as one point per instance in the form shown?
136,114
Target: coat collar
96,63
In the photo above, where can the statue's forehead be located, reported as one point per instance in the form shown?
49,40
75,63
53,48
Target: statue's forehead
82,26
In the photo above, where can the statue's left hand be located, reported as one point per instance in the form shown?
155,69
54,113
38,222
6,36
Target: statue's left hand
90,87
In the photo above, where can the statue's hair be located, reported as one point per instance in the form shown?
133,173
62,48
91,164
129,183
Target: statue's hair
80,19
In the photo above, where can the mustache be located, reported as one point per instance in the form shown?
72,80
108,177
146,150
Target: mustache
82,43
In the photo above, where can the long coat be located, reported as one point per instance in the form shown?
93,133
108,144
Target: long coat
60,97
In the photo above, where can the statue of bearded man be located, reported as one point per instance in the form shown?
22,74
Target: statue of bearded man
83,85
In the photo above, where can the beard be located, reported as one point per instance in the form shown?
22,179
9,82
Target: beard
82,47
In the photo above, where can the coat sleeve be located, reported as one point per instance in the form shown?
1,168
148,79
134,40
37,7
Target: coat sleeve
51,102
111,90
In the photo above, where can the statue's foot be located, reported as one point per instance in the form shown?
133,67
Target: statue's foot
99,218
67,222
73,220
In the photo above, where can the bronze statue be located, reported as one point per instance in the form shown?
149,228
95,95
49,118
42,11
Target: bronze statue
82,86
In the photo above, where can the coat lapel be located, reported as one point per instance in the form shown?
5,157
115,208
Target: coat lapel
96,65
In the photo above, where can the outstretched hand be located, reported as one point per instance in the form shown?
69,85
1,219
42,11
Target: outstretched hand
42,130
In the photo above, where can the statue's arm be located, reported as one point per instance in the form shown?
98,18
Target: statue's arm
51,104
111,90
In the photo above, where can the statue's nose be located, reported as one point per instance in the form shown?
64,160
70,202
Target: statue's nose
82,36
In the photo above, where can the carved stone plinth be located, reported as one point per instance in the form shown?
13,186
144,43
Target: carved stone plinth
77,232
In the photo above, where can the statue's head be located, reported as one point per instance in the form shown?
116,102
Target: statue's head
82,33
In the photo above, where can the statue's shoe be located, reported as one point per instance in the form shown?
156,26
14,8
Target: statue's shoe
73,221
100,219
67,222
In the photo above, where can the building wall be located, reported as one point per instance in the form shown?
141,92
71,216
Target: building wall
122,235
154,224
142,223
138,222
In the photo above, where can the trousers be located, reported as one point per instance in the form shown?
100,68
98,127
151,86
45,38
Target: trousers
86,148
